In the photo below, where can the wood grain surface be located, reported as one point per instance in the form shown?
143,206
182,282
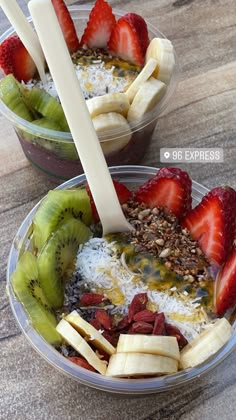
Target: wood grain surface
202,114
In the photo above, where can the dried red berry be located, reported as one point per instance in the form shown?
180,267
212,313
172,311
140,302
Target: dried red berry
89,299
105,320
95,323
140,327
80,361
159,324
146,315
175,332
112,338
138,304
123,324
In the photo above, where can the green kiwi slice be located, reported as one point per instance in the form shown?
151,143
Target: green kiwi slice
46,105
63,149
11,95
28,289
57,207
57,255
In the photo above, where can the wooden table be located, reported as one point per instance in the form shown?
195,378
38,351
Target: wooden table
202,114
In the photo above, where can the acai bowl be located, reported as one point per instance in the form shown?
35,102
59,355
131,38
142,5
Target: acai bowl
124,139
108,300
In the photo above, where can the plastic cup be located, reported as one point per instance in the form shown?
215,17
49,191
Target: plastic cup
53,152
132,176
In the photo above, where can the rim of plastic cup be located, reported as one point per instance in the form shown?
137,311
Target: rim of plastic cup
109,135
86,377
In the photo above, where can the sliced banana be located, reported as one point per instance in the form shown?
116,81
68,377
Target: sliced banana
162,50
110,121
143,76
206,344
139,364
150,344
148,95
89,332
74,339
111,102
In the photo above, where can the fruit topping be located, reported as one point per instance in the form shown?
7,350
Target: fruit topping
57,256
82,362
140,27
212,223
28,289
67,25
125,42
11,95
162,50
15,59
122,192
225,286
99,26
171,188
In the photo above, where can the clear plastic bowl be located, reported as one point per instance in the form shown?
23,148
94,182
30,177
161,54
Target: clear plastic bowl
132,176
54,153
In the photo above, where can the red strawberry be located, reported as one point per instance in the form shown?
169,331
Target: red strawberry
225,286
122,192
15,59
171,188
213,222
140,27
125,42
67,25
99,27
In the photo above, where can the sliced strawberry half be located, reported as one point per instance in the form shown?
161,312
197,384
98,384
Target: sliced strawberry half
140,27
15,59
213,222
67,25
100,24
225,286
125,42
123,194
170,188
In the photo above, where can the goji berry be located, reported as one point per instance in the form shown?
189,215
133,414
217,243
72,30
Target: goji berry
159,325
105,320
80,361
137,304
140,327
175,332
146,315
123,324
95,323
89,299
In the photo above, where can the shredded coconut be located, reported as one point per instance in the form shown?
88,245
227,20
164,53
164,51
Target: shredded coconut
100,267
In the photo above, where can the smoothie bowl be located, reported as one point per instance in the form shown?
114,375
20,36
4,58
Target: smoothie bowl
138,313
125,93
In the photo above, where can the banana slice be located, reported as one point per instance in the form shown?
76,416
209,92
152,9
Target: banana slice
162,50
150,344
206,344
139,364
111,102
143,76
109,121
148,95
89,332
75,340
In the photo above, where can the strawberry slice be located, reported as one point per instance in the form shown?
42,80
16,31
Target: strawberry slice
100,24
15,59
212,223
122,192
67,25
225,286
125,42
140,27
171,188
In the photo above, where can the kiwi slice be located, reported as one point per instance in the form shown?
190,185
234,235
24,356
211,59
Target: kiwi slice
28,289
57,255
63,149
46,105
57,207
11,95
